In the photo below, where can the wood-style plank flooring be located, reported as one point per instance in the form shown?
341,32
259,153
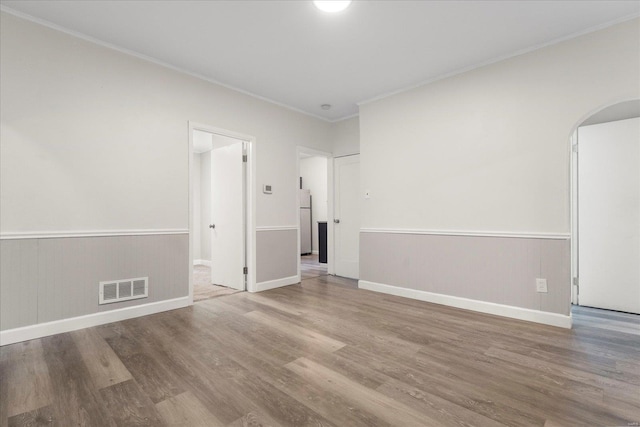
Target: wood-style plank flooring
202,287
311,267
324,353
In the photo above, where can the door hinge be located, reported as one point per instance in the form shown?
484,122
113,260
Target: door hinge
244,158
575,148
576,283
245,270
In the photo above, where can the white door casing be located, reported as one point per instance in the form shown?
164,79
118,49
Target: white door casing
347,216
609,215
227,216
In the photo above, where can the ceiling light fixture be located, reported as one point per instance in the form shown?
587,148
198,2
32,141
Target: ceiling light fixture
332,6
325,106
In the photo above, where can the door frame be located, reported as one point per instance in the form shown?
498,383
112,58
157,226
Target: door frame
573,171
316,153
250,201
573,196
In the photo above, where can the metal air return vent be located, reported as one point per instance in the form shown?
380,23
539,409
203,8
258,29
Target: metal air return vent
123,290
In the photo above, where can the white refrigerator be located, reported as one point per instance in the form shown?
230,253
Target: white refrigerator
305,222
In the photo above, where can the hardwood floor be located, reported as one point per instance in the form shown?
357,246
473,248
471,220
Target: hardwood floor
310,267
324,353
202,287
606,320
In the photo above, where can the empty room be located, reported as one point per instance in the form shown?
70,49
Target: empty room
319,213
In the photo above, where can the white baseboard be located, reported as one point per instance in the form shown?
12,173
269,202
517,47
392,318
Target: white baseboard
40,330
315,252
202,262
537,316
278,283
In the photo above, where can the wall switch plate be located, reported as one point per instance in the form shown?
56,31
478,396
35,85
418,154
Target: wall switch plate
266,189
541,285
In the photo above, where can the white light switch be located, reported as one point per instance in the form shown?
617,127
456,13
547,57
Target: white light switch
541,285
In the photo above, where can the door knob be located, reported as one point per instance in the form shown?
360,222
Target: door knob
337,221
212,226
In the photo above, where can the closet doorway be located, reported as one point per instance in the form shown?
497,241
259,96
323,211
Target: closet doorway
606,209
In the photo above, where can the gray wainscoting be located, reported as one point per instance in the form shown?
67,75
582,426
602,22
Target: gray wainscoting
276,254
43,280
500,270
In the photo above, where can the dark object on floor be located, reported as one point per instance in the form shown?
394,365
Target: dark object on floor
322,241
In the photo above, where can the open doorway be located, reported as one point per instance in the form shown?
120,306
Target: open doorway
313,205
219,225
606,211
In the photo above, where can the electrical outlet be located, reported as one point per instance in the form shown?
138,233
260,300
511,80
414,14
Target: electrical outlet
541,285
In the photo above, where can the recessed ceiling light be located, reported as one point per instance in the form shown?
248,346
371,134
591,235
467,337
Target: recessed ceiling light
332,6
325,106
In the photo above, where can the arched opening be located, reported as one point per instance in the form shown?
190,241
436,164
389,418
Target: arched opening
605,210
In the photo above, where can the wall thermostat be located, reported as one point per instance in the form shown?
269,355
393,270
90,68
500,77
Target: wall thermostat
266,189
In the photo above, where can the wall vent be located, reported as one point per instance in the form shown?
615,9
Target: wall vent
123,290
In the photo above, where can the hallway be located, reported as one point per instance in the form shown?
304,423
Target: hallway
310,267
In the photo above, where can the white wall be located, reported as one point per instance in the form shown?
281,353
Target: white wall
464,171
313,171
345,136
94,139
488,150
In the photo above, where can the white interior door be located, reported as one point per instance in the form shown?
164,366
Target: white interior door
609,215
227,216
347,216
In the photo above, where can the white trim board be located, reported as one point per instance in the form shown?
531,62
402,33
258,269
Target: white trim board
87,233
471,233
529,315
277,283
277,228
202,262
40,330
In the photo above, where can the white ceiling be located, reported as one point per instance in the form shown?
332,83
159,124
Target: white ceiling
291,53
